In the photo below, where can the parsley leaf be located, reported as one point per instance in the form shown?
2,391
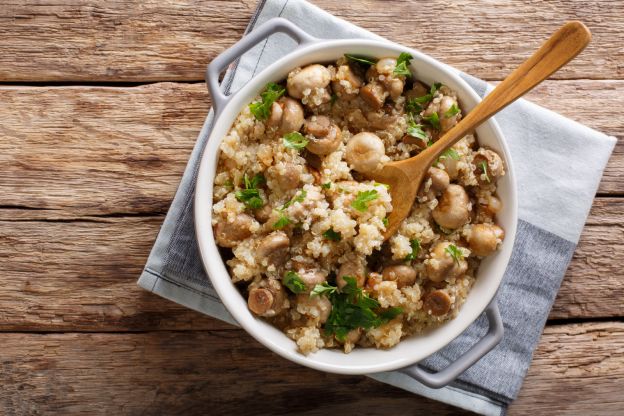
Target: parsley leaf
293,282
323,289
385,221
250,196
419,101
402,63
326,185
452,111
295,140
262,109
483,166
297,198
366,60
415,130
229,184
363,198
333,99
352,309
415,244
449,153
434,120
434,87
413,106
332,235
281,222
454,252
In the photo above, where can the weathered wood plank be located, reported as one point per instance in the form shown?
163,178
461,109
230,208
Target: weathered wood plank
80,275
174,40
172,373
93,150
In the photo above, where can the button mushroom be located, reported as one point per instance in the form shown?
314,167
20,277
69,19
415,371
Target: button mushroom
263,214
447,122
347,82
311,278
273,249
267,299
288,176
453,209
316,306
442,264
437,302
402,274
228,234
323,135
374,94
286,115
484,239
307,79
353,267
488,166
364,152
439,180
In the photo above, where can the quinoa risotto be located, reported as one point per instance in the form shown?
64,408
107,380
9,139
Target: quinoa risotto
301,228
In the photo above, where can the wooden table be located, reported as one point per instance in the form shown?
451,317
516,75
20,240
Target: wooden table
99,108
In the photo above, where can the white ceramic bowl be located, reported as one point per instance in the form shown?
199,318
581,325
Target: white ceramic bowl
361,360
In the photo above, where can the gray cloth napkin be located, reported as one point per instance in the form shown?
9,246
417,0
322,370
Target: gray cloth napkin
558,165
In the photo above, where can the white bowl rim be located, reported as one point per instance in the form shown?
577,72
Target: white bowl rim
217,270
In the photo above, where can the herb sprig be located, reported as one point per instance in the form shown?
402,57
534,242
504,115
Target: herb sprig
332,235
295,140
362,199
352,309
293,282
452,111
250,196
283,219
361,59
262,109
415,244
483,166
401,66
455,253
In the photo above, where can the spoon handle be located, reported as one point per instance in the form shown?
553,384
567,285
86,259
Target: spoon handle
562,47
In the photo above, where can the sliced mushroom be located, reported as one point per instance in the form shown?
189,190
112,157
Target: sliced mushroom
274,248
316,306
374,94
353,267
441,264
402,274
493,163
453,209
364,152
323,135
437,302
263,214
308,78
439,180
484,239
347,82
267,299
288,176
286,115
228,234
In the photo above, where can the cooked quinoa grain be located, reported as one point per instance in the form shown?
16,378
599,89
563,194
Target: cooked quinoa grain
301,228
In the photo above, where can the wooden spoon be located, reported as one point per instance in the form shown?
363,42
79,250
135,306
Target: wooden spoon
406,176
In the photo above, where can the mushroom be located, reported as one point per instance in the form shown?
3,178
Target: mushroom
311,278
346,82
316,306
364,152
447,123
288,176
323,135
263,214
437,302
441,264
352,267
286,115
274,248
267,298
308,78
229,233
402,274
494,166
374,94
453,209
439,180
484,239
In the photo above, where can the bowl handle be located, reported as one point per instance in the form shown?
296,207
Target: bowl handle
218,64
474,354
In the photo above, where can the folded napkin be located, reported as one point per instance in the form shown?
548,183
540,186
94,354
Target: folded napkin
558,165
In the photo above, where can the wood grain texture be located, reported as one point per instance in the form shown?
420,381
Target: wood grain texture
227,372
73,151
174,40
80,275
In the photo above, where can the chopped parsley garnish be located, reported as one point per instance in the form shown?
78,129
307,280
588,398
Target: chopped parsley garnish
262,109
283,220
415,244
402,63
250,196
452,111
449,153
454,252
413,107
363,198
362,59
434,120
352,309
295,140
332,235
293,282
385,221
229,184
425,98
333,99
326,185
483,166
415,130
